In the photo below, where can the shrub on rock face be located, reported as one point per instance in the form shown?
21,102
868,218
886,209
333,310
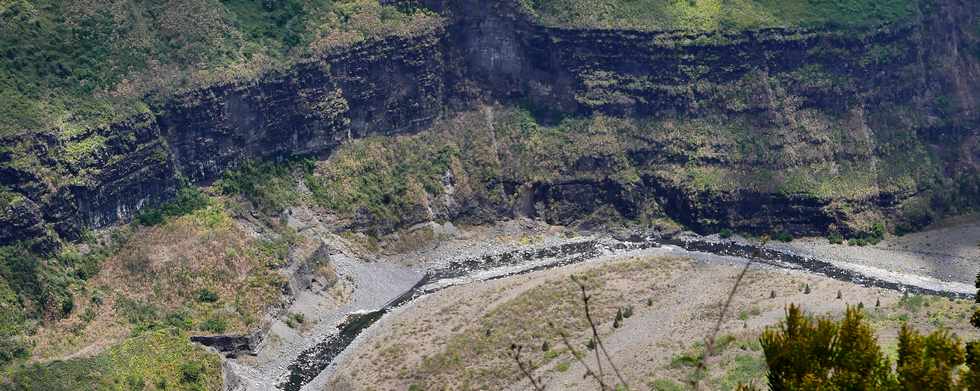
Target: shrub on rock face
207,296
835,238
214,325
725,233
627,311
188,199
877,233
857,242
294,320
873,237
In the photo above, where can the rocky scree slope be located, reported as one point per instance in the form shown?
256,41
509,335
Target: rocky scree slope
835,128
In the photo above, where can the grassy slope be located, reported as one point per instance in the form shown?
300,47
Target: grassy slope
385,176
709,15
157,360
193,271
76,63
479,360
198,272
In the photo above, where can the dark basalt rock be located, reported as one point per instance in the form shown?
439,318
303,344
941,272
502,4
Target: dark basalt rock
493,51
131,169
380,87
23,221
387,86
231,345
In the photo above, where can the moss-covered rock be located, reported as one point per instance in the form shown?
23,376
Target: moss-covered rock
718,14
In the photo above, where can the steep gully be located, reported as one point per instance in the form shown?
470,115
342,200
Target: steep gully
318,357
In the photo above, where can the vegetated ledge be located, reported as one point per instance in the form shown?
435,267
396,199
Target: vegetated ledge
807,86
387,85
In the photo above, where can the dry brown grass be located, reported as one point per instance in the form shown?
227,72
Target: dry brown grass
170,264
475,356
441,341
164,269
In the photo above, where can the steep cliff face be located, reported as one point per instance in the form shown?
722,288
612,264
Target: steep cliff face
831,127
98,177
102,176
837,127
381,87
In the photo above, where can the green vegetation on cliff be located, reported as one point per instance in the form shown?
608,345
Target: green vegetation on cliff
160,360
187,269
387,181
267,185
78,63
485,158
711,15
198,273
33,289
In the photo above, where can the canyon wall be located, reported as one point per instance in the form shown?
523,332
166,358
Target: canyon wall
381,87
897,101
835,128
816,97
106,175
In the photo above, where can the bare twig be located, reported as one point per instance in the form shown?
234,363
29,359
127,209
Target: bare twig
595,334
578,357
525,367
597,345
710,343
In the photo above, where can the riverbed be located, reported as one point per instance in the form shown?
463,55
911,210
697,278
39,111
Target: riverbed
308,358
